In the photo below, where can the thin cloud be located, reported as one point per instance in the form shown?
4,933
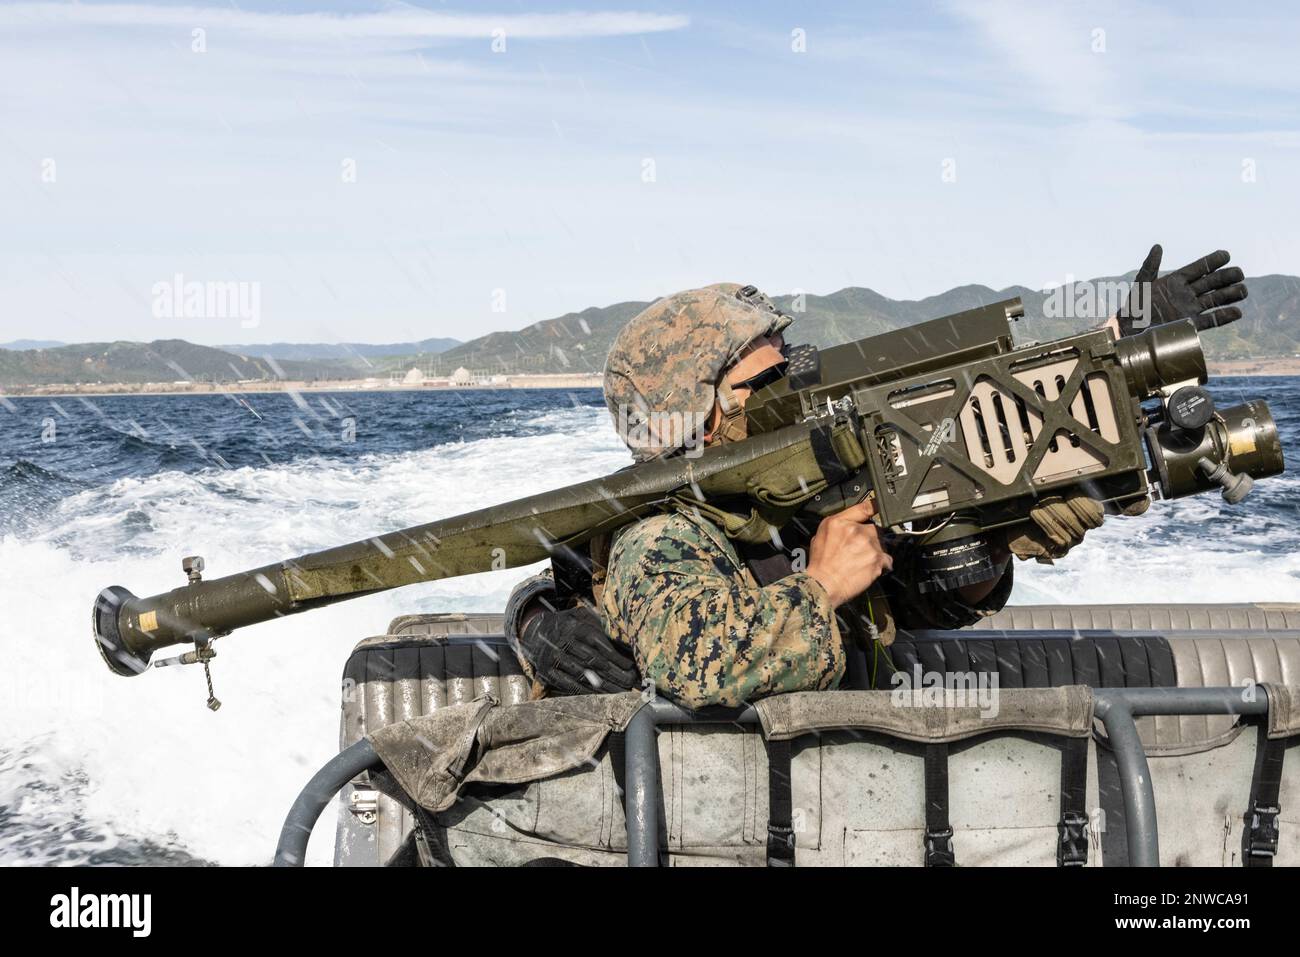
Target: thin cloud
1126,63
398,23
1050,50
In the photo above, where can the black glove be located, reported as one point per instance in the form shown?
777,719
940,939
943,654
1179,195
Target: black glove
1192,292
571,654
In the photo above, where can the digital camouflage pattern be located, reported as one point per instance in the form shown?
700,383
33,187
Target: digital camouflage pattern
700,627
663,369
682,598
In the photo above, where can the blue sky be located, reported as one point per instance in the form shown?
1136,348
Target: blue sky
909,147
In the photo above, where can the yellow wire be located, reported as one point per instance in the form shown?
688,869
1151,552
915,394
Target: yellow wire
878,644
875,641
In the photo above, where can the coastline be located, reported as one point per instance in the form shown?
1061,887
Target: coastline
358,386
1264,367
1260,367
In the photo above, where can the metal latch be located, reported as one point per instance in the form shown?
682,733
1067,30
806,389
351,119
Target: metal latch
1072,851
365,805
203,652
1261,836
938,848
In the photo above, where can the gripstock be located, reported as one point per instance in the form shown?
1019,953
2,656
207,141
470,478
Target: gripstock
953,429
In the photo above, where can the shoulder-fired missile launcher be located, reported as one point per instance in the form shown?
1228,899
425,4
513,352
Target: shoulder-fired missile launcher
952,428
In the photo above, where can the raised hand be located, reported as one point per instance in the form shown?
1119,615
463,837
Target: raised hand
1202,291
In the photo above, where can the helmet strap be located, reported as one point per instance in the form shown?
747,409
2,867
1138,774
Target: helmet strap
733,427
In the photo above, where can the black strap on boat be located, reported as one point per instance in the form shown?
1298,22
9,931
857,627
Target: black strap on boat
618,760
1072,848
780,810
938,831
1259,836
430,839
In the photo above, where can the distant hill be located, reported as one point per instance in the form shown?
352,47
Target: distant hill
345,351
1270,324
165,360
19,344
576,342
579,341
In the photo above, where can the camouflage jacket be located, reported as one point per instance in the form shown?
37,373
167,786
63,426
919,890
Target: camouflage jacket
700,626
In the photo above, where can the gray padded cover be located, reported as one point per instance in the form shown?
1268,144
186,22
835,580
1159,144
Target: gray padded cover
1257,642
392,678
1217,662
857,797
1257,616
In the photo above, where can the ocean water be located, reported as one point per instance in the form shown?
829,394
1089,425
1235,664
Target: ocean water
95,768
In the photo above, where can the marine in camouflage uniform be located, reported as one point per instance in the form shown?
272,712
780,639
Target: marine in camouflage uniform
677,592
709,620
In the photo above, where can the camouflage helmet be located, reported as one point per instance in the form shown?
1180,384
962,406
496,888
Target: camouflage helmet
663,369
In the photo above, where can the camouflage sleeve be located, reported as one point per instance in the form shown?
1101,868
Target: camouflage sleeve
702,629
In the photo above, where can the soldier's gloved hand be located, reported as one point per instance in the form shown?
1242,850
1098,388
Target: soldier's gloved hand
1202,291
571,654
1059,522
529,598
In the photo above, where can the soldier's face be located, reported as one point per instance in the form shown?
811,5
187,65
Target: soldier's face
758,357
